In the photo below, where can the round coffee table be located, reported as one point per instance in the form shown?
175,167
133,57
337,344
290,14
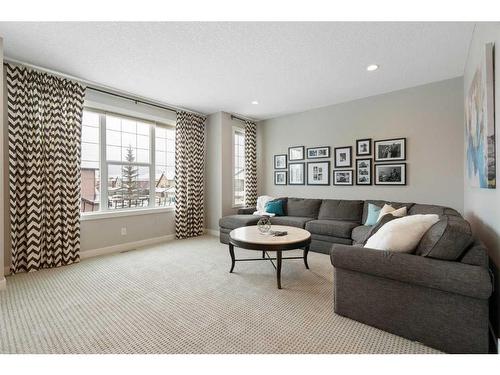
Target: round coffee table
251,238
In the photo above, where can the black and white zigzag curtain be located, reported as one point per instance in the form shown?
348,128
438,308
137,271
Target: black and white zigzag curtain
44,121
250,164
189,166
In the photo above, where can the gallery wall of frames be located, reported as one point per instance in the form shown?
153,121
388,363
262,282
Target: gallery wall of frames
379,162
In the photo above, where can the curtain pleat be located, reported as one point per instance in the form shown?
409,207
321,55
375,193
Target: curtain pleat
250,164
44,125
189,167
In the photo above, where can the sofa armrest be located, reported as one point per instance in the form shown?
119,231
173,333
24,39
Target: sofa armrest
449,276
246,210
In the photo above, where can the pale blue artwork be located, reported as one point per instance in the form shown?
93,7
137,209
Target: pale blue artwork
480,125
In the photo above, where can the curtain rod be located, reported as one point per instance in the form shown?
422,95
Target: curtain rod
233,117
102,88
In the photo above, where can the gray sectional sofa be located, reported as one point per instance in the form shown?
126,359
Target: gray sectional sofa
438,296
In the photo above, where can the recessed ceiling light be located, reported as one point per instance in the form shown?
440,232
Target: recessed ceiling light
372,67
255,102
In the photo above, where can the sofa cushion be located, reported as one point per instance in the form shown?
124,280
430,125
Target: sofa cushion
300,207
334,228
375,228
237,221
292,221
432,209
339,209
360,233
396,205
402,234
447,239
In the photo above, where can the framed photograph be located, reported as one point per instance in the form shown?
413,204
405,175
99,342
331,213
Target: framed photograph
363,171
318,152
280,161
390,149
343,157
343,177
363,147
318,173
390,174
296,174
296,153
280,177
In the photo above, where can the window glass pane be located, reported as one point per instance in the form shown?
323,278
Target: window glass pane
129,140
113,123
129,126
90,176
90,134
165,167
143,128
90,119
113,138
90,151
113,153
239,168
142,156
128,186
143,142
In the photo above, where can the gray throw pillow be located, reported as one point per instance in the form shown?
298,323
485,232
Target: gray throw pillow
446,240
383,220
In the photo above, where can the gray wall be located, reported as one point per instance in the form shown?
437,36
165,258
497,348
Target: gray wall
218,168
3,174
429,116
482,206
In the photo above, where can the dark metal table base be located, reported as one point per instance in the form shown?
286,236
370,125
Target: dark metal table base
265,256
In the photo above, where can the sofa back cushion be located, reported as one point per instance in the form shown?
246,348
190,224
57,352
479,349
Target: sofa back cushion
303,207
339,209
379,203
427,209
447,239
476,255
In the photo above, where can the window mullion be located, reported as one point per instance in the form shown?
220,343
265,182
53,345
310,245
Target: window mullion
152,161
102,163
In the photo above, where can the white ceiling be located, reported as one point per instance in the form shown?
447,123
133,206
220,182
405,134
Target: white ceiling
210,67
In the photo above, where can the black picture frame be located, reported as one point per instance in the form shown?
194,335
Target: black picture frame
377,143
404,176
366,153
337,165
285,179
370,171
327,168
318,148
296,147
286,161
290,165
346,171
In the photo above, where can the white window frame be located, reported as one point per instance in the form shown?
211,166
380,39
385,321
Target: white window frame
104,211
240,130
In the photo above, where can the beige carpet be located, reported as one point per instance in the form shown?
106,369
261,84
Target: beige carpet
179,297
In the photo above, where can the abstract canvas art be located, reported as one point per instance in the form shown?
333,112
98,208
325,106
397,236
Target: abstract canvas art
480,125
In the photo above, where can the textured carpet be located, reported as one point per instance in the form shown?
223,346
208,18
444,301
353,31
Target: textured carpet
179,297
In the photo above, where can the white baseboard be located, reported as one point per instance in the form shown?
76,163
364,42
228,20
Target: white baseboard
125,246
212,232
3,283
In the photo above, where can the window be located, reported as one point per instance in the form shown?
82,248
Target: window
238,167
126,163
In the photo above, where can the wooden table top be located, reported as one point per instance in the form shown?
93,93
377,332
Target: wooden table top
252,235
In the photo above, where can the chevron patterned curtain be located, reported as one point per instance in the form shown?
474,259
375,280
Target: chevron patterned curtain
250,164
189,166
44,123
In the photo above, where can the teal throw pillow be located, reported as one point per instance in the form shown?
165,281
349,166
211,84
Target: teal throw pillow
275,207
373,212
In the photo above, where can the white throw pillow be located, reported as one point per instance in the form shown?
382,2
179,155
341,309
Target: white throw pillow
402,235
388,209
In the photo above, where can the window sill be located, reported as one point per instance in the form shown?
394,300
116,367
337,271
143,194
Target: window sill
122,213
